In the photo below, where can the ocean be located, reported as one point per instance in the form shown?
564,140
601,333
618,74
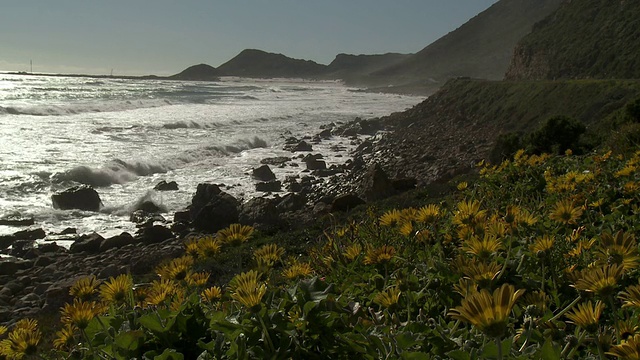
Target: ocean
123,136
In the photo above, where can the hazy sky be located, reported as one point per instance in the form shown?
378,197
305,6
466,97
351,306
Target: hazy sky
162,37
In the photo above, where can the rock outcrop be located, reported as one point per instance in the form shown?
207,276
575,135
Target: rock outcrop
78,197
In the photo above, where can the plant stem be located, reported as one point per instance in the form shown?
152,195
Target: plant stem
499,345
573,303
266,334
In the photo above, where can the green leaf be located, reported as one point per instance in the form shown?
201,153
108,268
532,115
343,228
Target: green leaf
129,340
407,340
169,354
416,356
549,351
156,324
458,355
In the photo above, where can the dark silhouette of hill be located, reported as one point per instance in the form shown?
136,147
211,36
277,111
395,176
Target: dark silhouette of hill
351,67
481,48
197,72
583,39
261,64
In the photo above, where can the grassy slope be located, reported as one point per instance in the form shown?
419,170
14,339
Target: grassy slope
583,39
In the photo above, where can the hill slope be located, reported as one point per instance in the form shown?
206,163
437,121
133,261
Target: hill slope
583,39
261,64
481,48
197,72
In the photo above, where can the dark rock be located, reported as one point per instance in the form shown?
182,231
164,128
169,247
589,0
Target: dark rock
269,186
30,234
302,146
68,231
292,202
43,261
263,173
50,248
205,193
346,202
325,134
155,234
142,217
9,266
220,212
405,184
375,184
16,221
20,248
150,207
182,216
313,164
78,197
6,241
275,161
116,241
166,186
260,213
89,243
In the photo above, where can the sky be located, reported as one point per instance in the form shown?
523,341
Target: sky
163,37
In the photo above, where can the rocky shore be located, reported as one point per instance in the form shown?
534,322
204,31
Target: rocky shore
36,274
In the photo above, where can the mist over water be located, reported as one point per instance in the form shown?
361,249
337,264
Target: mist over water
124,136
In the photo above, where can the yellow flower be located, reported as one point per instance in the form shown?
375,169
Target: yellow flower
465,287
208,247
538,300
235,234
631,296
211,294
191,248
248,290
297,270
21,342
586,316
621,249
482,248
601,280
481,273
627,350
486,312
428,213
391,218
80,313
84,288
379,255
462,186
406,229
3,330
542,245
469,214
268,255
65,338
388,298
176,269
118,290
352,251
627,328
197,279
161,291
564,212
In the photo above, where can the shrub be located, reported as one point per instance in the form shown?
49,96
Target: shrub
505,147
558,134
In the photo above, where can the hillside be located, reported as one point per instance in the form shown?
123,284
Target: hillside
197,72
481,48
584,39
458,126
351,67
261,64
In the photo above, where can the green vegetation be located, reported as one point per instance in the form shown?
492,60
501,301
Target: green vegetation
536,258
583,39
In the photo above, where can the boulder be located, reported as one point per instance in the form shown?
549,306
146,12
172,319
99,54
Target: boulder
79,197
404,184
182,217
313,164
205,193
375,184
166,186
263,173
292,202
269,186
154,234
220,211
9,266
30,234
260,213
302,146
275,161
6,241
89,243
16,221
346,202
116,241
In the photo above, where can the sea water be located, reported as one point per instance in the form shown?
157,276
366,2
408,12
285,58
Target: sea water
123,136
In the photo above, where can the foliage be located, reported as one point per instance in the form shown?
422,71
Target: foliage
556,135
537,258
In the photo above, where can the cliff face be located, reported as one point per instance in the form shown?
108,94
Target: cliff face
582,39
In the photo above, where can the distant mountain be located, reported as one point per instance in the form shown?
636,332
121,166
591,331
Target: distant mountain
197,72
261,64
481,48
346,66
583,39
